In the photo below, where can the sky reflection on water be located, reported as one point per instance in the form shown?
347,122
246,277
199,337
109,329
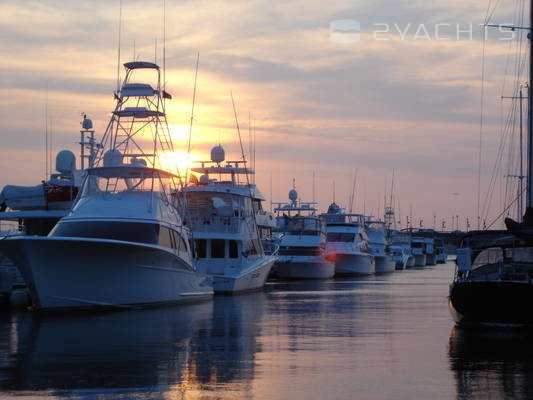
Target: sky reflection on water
382,337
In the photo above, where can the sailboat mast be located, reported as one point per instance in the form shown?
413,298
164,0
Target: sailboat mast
530,113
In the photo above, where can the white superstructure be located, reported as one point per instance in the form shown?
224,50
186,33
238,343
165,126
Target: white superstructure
418,245
303,245
224,225
378,246
400,248
347,242
123,243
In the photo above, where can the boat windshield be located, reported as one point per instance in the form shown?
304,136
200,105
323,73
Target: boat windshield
492,255
341,237
520,254
125,180
219,204
304,226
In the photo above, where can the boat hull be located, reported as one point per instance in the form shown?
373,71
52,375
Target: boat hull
354,264
77,273
442,258
251,279
499,303
304,268
420,260
431,259
384,264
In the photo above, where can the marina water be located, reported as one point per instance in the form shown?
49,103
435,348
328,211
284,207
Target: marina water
378,337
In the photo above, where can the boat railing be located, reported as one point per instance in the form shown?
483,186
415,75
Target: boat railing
270,247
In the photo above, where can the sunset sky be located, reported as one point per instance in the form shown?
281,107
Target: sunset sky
411,103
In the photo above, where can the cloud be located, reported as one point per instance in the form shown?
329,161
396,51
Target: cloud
413,105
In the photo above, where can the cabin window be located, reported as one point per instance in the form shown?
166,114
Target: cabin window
201,248
340,237
218,248
178,241
165,237
233,249
137,232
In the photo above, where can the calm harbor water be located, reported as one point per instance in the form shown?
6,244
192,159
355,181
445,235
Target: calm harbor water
382,337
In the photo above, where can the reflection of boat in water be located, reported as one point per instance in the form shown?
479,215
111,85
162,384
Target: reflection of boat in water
174,351
106,351
492,364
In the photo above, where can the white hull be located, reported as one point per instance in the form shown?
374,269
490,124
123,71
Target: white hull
71,273
420,260
410,262
252,278
354,264
384,264
431,259
304,268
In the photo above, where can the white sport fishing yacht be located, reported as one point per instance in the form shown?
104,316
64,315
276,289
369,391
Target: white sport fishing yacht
431,254
224,226
418,244
347,242
123,243
378,246
401,250
303,245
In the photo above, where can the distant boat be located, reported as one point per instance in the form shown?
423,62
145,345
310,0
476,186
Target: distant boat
378,246
347,242
401,250
123,244
224,225
418,245
440,251
302,252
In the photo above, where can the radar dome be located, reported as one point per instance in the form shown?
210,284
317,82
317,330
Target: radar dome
87,124
293,195
204,180
217,154
65,162
112,158
140,162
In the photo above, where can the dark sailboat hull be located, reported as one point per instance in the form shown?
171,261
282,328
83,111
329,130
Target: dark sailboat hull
492,303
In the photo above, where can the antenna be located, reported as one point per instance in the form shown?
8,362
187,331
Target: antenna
250,144
165,45
392,187
50,137
155,51
352,197
271,191
313,186
192,116
46,155
119,44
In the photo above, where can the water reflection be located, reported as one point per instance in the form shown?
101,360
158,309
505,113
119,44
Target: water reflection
147,353
495,364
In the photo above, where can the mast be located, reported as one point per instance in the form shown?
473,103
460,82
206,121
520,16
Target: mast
530,113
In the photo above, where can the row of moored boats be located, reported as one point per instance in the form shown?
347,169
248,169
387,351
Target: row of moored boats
126,232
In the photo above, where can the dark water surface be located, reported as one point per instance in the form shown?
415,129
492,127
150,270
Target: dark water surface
383,337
